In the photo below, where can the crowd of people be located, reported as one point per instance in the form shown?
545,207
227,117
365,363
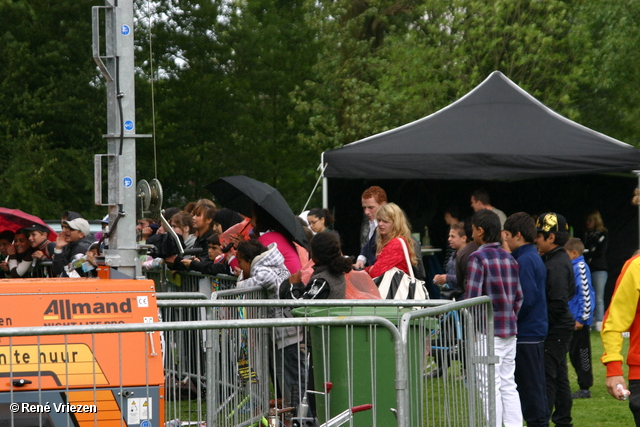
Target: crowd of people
536,276
543,302
546,287
24,249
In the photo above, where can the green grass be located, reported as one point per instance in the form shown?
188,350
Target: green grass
601,410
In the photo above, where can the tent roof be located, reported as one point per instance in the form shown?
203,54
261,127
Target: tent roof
496,131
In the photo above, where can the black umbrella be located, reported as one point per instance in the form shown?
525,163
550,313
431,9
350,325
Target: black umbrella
240,192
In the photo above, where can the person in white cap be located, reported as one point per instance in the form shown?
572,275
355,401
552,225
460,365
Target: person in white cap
74,239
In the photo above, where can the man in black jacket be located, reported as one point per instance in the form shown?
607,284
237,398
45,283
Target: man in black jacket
552,235
74,239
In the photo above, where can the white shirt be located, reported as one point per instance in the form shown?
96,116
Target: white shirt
372,228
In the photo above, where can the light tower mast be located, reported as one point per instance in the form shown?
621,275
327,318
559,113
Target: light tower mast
117,67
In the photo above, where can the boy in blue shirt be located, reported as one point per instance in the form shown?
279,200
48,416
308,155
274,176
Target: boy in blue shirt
582,306
519,233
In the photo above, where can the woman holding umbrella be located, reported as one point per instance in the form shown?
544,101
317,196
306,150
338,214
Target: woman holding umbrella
226,218
272,219
268,231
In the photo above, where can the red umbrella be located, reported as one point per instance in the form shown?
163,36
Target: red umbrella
15,219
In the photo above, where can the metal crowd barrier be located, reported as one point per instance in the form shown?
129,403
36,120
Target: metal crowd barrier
188,281
42,269
239,378
357,359
232,391
441,371
185,282
221,367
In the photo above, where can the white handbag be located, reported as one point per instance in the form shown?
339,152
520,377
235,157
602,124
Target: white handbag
396,284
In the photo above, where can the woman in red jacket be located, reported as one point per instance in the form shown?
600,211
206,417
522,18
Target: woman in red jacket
393,227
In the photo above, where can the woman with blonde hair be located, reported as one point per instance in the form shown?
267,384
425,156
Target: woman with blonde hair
393,230
596,242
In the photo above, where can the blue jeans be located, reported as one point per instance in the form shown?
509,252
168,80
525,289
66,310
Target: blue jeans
599,279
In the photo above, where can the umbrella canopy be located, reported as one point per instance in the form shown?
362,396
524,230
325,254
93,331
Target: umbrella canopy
240,192
15,219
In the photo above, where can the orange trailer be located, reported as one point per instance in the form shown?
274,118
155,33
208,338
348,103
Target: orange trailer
111,379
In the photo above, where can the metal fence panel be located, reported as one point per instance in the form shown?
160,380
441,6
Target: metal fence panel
188,281
358,360
219,362
449,360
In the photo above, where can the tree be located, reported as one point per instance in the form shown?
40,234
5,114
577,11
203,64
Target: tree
225,109
432,53
607,36
51,107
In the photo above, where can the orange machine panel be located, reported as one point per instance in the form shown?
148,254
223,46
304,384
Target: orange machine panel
79,361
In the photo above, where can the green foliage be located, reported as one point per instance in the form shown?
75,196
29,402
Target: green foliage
433,53
608,33
51,110
263,87
225,110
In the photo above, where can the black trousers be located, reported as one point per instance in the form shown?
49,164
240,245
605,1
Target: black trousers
634,400
532,387
557,378
580,356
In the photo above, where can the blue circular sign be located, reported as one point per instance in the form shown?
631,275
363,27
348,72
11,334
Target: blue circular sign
145,423
127,181
125,30
128,125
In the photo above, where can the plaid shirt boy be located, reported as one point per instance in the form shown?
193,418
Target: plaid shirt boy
492,271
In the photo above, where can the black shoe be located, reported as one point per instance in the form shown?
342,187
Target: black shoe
581,394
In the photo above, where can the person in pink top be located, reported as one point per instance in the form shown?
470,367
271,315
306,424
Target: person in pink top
270,231
392,226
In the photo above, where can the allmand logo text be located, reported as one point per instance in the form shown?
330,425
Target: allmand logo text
66,309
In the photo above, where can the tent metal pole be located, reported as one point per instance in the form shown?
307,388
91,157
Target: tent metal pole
325,185
314,187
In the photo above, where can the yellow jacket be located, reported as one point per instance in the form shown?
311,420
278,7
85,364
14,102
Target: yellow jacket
622,316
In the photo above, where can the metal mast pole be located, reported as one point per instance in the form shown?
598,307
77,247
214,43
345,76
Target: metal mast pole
117,67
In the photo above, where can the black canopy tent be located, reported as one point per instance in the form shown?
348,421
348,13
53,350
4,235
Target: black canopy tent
496,131
496,137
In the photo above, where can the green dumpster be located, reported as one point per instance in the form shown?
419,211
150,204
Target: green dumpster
358,360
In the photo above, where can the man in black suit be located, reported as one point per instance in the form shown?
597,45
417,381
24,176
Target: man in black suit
372,199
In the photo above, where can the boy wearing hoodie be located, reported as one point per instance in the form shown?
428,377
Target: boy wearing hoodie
264,266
